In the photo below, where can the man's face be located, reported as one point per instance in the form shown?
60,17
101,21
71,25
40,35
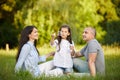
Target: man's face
87,34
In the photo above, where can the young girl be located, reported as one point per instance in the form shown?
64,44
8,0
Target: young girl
64,50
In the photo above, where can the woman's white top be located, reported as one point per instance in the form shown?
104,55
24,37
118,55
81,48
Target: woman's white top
62,58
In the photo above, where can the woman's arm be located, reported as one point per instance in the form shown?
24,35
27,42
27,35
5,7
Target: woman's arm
43,58
50,54
23,54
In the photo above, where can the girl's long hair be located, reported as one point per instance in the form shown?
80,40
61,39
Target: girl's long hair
24,38
69,38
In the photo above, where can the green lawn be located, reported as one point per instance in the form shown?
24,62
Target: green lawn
112,62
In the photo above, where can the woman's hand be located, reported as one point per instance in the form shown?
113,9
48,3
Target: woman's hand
50,54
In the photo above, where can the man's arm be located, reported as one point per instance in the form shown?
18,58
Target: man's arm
77,54
91,63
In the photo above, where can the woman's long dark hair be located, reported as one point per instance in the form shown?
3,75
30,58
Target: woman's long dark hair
24,38
69,38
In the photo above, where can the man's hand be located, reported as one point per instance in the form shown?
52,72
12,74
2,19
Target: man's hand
77,54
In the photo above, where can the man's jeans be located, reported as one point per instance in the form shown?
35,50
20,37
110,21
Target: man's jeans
80,65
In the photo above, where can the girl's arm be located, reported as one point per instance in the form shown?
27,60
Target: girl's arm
52,39
72,50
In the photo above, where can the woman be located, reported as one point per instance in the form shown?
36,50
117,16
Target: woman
28,55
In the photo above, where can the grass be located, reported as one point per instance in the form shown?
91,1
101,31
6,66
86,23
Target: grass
7,63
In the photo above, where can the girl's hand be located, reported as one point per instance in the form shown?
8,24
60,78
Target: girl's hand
53,35
52,39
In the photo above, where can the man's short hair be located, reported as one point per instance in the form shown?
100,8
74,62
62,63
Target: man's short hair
92,30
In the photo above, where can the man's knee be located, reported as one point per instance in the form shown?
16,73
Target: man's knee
76,61
80,65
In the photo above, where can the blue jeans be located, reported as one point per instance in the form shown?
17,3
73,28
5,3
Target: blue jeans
80,65
66,70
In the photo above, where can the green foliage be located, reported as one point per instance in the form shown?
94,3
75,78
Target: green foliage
8,31
49,15
111,21
112,36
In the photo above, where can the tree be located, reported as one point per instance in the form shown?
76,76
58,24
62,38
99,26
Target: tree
49,15
111,20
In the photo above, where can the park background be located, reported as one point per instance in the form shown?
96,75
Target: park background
48,16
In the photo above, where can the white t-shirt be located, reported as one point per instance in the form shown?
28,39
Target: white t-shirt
62,58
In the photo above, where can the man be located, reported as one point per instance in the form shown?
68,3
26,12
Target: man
93,54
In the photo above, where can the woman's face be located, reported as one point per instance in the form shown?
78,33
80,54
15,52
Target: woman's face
34,35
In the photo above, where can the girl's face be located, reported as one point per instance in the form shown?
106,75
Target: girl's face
34,35
64,33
